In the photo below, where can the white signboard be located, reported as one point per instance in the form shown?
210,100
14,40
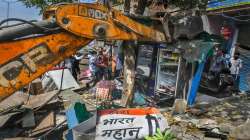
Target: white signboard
129,124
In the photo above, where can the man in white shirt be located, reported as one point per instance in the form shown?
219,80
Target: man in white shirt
236,64
92,64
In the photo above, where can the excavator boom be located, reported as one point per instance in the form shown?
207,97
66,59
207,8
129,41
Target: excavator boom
23,61
25,58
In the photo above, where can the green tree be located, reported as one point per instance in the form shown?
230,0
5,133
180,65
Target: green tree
42,4
183,4
188,4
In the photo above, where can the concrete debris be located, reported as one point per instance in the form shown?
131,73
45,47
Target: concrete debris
10,132
6,117
46,124
60,119
226,128
241,132
69,97
219,121
36,87
180,106
207,123
207,138
90,102
197,111
205,99
28,119
95,113
37,101
15,100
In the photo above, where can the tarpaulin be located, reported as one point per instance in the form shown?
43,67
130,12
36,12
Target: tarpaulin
195,50
195,84
245,70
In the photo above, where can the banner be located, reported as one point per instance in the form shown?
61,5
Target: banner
127,124
219,4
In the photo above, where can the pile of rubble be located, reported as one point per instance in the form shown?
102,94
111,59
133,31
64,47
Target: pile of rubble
37,111
227,119
95,113
26,115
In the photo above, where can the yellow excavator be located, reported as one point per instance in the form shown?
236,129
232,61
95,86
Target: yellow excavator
30,49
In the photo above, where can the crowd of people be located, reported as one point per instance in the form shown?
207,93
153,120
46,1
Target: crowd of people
223,67
99,64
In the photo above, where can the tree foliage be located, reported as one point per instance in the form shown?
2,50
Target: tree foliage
188,4
183,4
42,4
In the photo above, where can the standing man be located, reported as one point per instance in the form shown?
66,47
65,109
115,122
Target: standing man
119,64
92,64
102,64
75,60
236,64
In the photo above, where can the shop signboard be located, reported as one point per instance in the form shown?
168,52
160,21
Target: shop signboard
220,4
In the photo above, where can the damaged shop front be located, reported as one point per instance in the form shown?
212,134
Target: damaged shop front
173,71
230,19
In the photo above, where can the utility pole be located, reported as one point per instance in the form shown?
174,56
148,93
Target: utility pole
8,8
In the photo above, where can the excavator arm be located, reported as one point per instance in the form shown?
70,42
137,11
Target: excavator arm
25,58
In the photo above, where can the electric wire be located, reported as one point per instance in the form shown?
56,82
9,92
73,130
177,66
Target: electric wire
233,18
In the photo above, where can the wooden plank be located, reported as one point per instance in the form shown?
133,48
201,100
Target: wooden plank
14,100
37,101
46,124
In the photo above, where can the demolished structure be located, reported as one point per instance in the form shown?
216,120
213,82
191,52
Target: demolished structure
166,85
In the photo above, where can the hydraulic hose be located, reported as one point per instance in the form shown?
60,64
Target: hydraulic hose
26,29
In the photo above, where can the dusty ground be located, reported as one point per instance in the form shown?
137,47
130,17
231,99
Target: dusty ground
222,120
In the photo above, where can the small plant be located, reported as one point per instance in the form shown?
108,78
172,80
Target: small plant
160,136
